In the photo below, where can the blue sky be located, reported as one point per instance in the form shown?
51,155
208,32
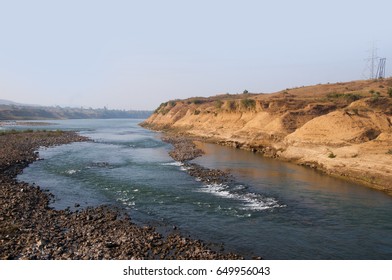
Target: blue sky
137,54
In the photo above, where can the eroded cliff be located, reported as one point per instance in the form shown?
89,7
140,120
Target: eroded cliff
344,129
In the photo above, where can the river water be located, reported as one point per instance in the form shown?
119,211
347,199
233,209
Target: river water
273,209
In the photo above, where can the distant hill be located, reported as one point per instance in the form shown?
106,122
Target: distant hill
10,110
8,102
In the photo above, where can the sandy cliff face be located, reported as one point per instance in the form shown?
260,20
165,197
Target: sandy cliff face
343,129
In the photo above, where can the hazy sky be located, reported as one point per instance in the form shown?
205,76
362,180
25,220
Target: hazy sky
137,54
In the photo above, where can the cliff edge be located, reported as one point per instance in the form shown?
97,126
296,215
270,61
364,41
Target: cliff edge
343,129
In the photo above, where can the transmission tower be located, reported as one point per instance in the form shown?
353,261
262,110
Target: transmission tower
381,68
371,63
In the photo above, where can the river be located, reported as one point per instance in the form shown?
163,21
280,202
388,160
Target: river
272,209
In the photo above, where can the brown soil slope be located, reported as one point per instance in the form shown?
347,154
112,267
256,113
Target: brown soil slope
344,129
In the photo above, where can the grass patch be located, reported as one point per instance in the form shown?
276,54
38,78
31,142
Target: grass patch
248,103
54,133
218,104
49,133
14,131
389,92
375,95
160,108
198,101
344,96
231,105
164,111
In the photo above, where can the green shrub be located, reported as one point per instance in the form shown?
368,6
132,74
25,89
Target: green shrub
331,155
348,96
13,131
389,92
218,104
231,105
159,109
376,95
389,152
198,101
245,91
248,103
197,112
164,111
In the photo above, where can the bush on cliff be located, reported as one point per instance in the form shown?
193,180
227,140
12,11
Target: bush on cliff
231,105
390,92
218,104
248,103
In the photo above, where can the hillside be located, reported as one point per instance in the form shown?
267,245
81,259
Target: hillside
13,111
344,129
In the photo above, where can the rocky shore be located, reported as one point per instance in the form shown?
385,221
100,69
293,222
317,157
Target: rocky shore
31,229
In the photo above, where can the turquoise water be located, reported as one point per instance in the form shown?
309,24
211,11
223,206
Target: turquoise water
273,209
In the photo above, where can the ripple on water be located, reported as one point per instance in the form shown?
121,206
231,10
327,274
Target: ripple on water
249,201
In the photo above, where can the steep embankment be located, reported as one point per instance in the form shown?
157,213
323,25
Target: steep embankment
343,129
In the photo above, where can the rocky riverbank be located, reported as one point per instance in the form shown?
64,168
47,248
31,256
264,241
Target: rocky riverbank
31,229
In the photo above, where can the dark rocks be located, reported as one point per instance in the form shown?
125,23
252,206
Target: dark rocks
206,175
184,148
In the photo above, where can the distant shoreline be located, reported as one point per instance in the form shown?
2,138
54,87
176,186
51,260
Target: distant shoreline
29,112
21,123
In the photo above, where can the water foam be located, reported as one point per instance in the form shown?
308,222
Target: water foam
251,201
71,171
174,163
